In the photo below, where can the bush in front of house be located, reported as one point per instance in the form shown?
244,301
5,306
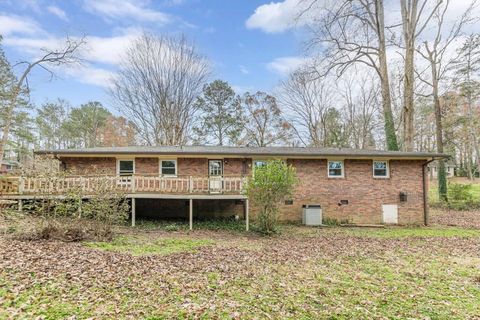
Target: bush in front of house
270,185
74,218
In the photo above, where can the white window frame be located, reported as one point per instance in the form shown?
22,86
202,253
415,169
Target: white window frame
118,165
388,169
258,160
160,167
343,169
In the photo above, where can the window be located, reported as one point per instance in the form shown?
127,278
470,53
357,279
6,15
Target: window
215,167
126,167
168,167
380,169
335,169
259,163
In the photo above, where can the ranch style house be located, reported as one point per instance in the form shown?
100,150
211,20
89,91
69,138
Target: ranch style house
197,182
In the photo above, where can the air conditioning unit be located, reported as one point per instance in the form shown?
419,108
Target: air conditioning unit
312,215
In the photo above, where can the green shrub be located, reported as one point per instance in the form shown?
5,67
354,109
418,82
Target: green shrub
268,188
460,192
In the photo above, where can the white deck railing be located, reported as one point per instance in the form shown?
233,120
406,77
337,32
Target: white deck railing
127,184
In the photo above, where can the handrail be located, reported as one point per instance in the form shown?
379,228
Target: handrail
127,184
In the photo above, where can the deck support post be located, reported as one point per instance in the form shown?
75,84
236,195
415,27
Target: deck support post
190,215
80,202
20,205
247,218
133,212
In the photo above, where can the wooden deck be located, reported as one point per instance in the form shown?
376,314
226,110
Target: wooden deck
137,185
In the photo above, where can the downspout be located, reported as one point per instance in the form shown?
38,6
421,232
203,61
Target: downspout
424,189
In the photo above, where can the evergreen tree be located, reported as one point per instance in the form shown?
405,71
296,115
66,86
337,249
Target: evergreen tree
221,115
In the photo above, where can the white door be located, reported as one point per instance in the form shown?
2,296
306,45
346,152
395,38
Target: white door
215,174
390,213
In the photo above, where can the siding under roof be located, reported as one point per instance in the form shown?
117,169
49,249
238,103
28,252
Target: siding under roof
243,151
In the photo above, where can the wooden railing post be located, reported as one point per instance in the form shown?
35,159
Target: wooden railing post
190,184
133,184
20,185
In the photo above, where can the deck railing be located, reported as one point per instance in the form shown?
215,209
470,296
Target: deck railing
126,184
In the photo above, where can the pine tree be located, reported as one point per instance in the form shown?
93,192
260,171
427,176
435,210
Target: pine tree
20,121
221,117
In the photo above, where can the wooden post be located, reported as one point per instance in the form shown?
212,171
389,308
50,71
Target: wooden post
133,212
191,214
80,202
20,205
20,185
247,219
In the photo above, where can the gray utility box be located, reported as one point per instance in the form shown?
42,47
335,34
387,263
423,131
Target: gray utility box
312,215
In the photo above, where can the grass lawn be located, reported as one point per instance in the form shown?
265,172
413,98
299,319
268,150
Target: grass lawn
475,191
305,273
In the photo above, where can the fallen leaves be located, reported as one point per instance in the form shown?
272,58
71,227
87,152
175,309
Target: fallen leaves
306,272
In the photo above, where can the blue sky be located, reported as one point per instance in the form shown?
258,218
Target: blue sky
250,43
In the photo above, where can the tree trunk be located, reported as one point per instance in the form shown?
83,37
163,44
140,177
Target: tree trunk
390,135
442,176
8,122
409,17
408,108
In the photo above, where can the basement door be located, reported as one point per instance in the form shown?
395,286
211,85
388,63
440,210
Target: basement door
390,213
215,174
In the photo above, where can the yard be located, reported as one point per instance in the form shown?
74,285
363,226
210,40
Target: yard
336,273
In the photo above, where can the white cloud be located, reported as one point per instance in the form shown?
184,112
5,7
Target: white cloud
243,89
136,10
89,74
13,24
97,49
58,12
286,65
277,16
109,49
244,69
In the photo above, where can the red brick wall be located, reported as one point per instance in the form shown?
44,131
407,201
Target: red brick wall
186,166
237,167
90,166
365,194
192,166
147,166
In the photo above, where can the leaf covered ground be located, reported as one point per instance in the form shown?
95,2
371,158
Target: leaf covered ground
305,273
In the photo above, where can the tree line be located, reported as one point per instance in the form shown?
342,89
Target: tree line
349,93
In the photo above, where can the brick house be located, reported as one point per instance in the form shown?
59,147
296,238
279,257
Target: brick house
206,181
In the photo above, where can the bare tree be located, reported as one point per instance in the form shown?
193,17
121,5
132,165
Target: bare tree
415,18
307,100
467,66
265,124
156,88
354,33
361,110
67,54
435,52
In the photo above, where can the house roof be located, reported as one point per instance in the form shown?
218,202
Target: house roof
241,151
